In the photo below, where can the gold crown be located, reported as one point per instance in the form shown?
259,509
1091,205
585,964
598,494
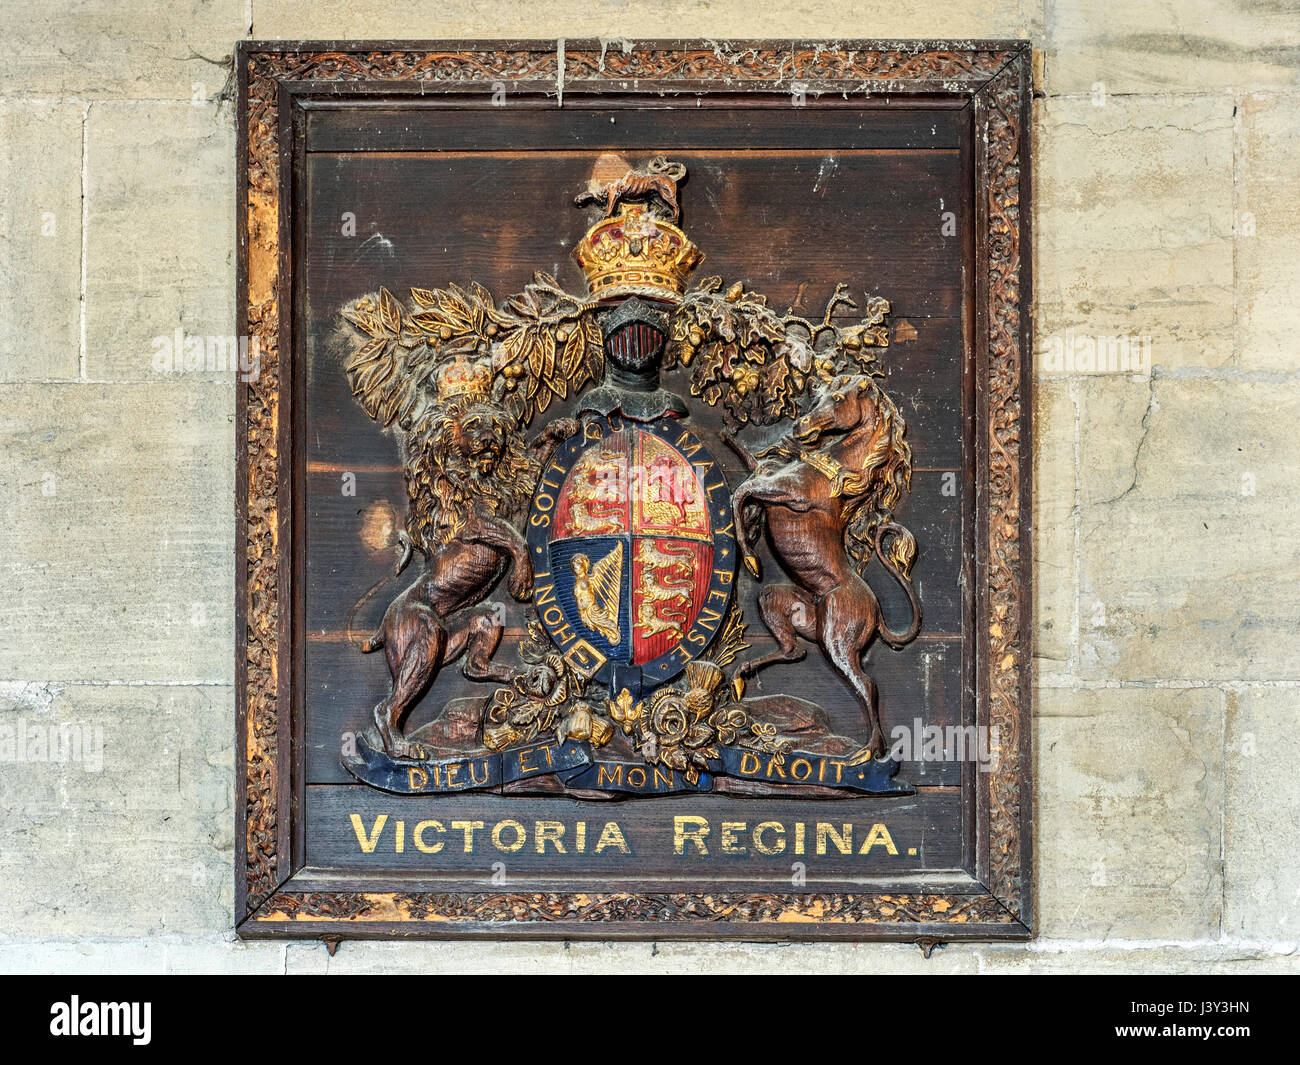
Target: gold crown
635,254
464,378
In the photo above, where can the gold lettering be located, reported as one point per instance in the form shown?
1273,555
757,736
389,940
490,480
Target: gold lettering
749,763
469,828
549,832
416,777
687,446
609,774
799,829
709,617
843,841
663,778
516,828
639,774
417,837
769,848
879,835
728,837
807,768
580,837
690,828
401,837
368,842
612,836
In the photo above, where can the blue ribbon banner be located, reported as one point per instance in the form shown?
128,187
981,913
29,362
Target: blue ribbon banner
579,769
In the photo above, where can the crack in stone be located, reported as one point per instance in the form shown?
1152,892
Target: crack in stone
1137,454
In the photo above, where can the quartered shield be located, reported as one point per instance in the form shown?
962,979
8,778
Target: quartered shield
633,550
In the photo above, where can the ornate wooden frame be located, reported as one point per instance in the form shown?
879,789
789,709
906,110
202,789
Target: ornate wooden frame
274,895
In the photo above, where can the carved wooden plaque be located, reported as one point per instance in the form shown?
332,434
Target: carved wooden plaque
634,490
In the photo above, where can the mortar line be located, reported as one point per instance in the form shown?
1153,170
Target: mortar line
82,371
1236,235
1161,684
9,684
1223,820
1077,522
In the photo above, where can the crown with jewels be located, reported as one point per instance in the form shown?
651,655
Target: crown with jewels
636,254
464,378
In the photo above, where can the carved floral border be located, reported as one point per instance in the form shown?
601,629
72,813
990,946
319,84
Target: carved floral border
996,73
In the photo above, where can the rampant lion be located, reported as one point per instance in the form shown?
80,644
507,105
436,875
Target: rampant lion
464,457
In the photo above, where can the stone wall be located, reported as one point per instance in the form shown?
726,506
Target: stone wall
1167,547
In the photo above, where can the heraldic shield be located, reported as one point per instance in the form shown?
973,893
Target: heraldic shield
634,553
547,453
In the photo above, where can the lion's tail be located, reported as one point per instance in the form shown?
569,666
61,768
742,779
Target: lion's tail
376,639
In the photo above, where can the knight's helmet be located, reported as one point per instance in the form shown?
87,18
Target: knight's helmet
636,262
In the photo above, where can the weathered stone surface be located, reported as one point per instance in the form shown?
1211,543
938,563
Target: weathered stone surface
1268,222
646,958
1189,529
1261,864
160,232
618,19
105,48
135,839
117,541
119,582
40,239
1130,787
1134,225
1146,46
1054,497
211,953
224,954
1135,956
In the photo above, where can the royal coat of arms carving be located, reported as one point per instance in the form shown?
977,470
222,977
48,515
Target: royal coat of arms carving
633,501
618,523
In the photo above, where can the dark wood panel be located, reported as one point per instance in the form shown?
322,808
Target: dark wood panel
788,224
517,123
